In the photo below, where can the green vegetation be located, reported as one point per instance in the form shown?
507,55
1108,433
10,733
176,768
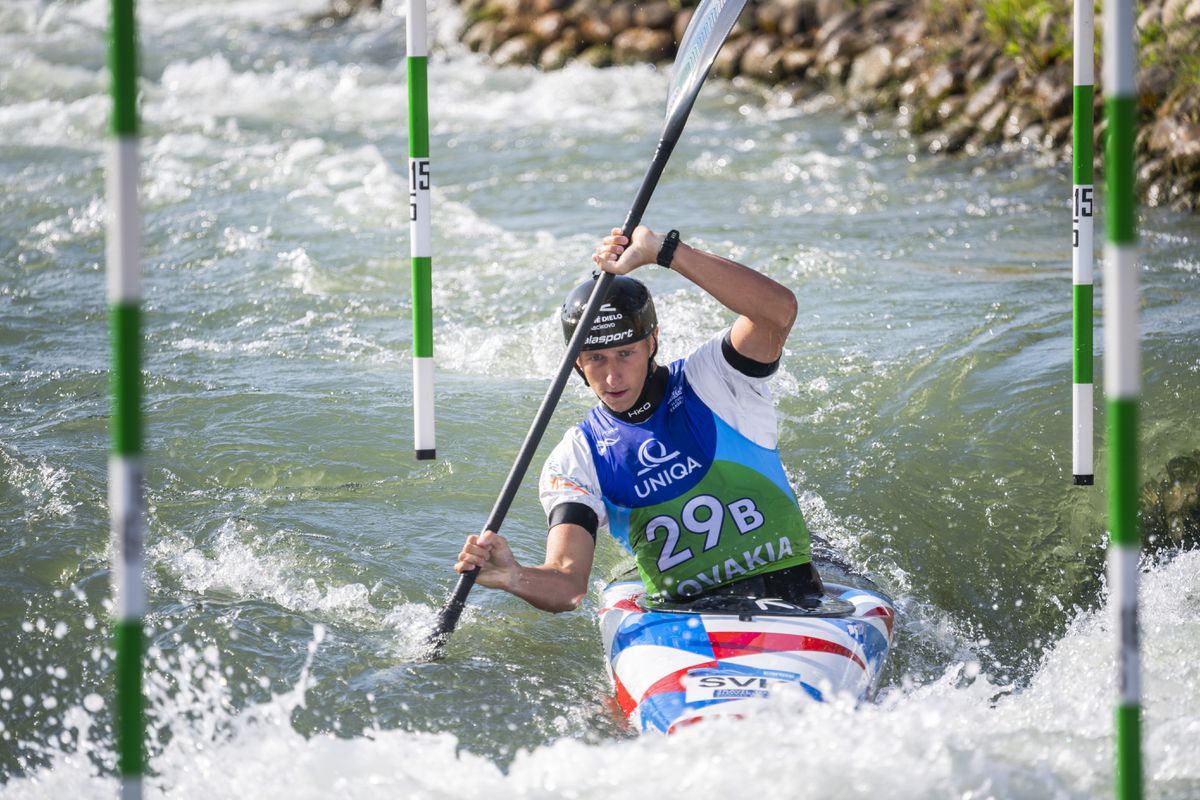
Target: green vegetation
1176,48
1035,33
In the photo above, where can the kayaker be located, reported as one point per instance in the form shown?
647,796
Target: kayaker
679,462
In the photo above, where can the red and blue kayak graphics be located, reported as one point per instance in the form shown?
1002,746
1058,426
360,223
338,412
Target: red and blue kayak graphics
674,668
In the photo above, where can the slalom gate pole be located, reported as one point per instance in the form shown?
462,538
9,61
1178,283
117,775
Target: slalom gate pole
419,232
1082,240
123,254
1122,384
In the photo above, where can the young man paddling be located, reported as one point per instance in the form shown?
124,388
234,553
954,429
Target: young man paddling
679,461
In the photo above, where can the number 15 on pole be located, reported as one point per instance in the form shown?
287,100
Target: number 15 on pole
419,220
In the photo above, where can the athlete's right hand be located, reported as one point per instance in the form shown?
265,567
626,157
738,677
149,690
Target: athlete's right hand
490,552
618,255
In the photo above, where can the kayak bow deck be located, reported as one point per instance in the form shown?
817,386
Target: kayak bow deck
676,664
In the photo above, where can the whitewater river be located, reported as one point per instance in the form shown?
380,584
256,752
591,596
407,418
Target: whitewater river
297,552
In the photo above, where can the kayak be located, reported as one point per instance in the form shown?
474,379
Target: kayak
675,664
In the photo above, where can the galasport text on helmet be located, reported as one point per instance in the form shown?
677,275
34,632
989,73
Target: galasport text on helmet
626,316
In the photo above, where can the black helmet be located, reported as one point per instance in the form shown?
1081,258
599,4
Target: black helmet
627,315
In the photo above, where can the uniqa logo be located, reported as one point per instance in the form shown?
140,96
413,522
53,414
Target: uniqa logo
653,454
667,467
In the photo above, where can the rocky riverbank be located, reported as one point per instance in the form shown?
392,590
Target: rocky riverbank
957,76
1170,505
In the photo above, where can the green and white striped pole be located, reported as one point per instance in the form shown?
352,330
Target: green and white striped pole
419,232
1083,245
124,464
1122,383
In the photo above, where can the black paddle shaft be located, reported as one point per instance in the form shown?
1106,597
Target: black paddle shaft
448,617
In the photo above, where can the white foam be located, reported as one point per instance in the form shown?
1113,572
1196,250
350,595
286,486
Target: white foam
44,485
245,563
958,736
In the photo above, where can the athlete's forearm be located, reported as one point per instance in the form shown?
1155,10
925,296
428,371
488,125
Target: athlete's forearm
766,308
769,306
547,588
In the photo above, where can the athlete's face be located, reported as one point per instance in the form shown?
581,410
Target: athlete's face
617,374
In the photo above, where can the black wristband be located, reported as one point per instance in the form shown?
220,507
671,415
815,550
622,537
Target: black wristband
667,252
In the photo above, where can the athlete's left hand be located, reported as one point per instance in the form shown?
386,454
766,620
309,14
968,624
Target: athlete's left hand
617,255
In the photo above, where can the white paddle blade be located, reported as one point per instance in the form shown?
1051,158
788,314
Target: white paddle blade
710,24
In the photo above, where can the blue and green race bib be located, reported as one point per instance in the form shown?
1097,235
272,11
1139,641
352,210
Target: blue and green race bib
697,503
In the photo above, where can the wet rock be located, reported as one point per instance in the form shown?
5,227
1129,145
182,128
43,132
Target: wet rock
910,88
1179,18
870,70
1154,83
502,9
929,116
800,17
768,17
1185,193
838,23
945,79
1152,170
1150,17
679,26
911,32
642,45
1058,132
341,10
992,92
827,9
620,17
1045,34
522,49
761,59
1032,136
991,125
1178,141
595,30
549,27
1173,12
597,55
481,37
877,15
1054,92
951,140
471,8
559,53
472,13
1019,120
834,57
951,107
909,61
1155,180
981,58
657,15
795,61
1182,105
1156,193
971,28
729,58
1170,505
